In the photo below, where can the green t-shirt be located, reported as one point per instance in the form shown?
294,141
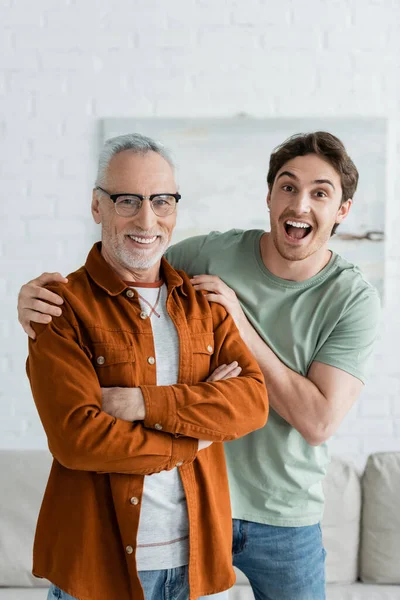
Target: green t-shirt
275,476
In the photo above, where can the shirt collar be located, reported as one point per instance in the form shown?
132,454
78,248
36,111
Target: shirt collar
108,280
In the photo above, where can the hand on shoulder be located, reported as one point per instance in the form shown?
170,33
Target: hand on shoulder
37,304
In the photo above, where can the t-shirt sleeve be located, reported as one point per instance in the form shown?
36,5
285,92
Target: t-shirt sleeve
187,255
350,344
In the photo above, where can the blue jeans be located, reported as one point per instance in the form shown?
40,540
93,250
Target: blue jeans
281,563
168,584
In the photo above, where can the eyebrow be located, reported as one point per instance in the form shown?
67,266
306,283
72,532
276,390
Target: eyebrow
293,176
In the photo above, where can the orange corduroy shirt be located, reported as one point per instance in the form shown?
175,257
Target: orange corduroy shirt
86,533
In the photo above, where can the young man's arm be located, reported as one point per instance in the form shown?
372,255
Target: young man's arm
315,405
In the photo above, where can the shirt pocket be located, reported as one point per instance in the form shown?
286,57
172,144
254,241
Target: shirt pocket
203,349
114,364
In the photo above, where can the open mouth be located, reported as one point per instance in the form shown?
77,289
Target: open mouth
297,230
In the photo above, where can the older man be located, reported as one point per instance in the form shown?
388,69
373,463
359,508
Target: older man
136,507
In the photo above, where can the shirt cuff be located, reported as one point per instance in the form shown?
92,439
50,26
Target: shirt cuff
184,451
160,408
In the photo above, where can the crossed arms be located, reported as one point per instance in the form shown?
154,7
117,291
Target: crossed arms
83,436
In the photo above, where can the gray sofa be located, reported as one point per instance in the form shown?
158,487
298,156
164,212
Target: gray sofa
361,544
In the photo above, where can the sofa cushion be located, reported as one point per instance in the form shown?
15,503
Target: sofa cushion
23,478
23,594
380,538
362,591
341,521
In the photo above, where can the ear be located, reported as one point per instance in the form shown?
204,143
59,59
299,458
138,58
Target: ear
269,200
343,211
96,207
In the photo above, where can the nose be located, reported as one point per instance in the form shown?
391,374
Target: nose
146,218
302,202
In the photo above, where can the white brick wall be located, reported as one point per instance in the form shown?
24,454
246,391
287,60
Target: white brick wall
66,64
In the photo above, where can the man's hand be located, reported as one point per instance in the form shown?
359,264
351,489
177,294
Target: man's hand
225,372
222,294
124,403
33,302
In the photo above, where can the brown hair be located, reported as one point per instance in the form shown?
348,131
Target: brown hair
325,145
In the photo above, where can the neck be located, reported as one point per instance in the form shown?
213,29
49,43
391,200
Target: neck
150,275
292,270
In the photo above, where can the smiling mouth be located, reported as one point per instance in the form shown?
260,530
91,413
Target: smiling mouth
297,230
144,241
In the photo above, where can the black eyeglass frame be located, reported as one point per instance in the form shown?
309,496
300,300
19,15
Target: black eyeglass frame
114,197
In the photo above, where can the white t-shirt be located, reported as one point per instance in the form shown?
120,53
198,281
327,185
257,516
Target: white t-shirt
163,535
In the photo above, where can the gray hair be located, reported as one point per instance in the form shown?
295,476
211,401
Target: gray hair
137,143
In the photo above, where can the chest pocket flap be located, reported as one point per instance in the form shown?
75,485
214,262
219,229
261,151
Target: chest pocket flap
105,355
114,364
203,343
202,348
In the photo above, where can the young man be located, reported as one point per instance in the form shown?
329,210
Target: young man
132,324
310,319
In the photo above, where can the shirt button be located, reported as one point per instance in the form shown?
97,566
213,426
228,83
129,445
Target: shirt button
100,360
130,293
158,426
134,500
179,464
151,360
129,549
143,315
210,348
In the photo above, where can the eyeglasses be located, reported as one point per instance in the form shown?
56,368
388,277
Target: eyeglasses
128,205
